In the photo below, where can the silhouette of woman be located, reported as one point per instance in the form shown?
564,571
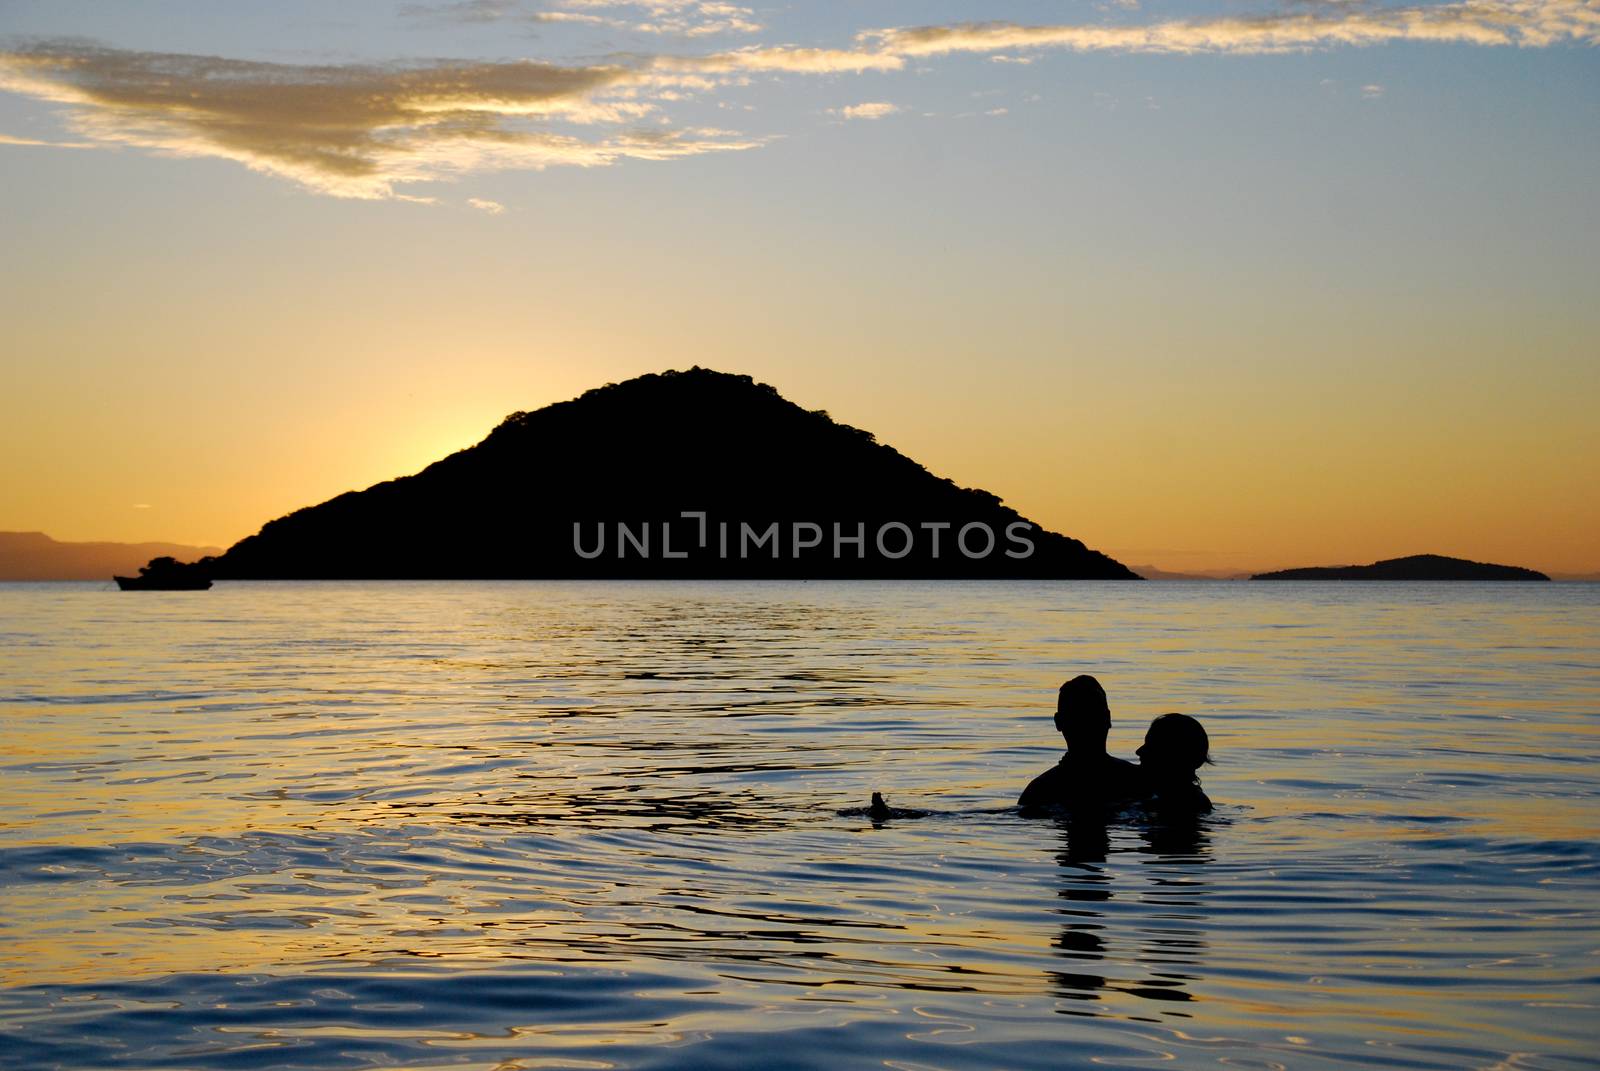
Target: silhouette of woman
1175,747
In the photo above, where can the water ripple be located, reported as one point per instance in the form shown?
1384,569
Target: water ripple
542,825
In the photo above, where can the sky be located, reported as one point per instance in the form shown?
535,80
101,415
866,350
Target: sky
1208,286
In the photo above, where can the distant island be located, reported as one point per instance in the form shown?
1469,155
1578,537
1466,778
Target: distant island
691,474
35,556
1154,572
1416,567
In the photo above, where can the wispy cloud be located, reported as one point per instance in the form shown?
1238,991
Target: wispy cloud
356,131
683,18
368,130
7,139
872,109
494,208
687,18
1525,23
786,59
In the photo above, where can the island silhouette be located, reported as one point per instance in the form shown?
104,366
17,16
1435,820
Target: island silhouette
168,574
1415,567
682,474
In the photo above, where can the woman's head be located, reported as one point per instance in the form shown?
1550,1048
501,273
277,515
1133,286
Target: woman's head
1175,745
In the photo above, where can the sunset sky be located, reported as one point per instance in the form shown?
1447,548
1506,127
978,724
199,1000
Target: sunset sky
1236,285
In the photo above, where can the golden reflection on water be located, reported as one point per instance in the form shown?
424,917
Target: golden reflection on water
284,781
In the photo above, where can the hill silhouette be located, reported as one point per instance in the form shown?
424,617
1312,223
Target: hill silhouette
35,556
598,487
1416,567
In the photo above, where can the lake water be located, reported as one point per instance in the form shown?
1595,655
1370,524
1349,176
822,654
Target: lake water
537,825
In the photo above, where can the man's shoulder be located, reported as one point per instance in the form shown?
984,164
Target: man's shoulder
1054,775
1049,787
1118,779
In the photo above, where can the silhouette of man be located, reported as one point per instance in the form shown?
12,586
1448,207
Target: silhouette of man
1086,776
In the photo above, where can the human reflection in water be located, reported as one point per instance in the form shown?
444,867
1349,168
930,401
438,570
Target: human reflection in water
1085,888
1133,910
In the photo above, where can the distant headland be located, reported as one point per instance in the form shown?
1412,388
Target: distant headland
1416,567
692,474
1154,572
35,556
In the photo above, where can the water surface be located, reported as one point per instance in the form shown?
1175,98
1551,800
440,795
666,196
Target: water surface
539,825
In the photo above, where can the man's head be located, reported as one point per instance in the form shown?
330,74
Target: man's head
1082,715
